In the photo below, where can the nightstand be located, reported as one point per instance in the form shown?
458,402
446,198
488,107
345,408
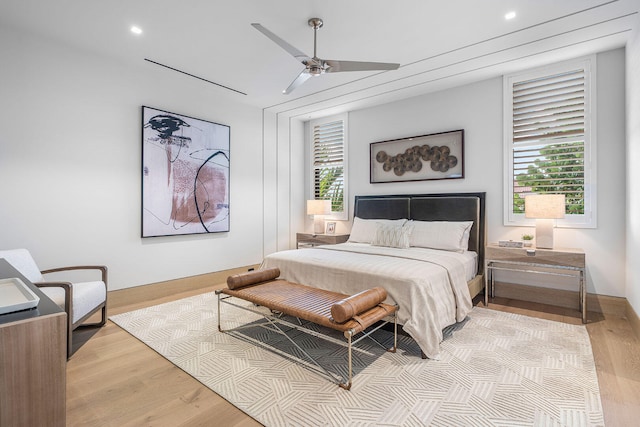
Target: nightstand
564,262
309,240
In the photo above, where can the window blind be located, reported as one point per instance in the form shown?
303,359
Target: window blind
328,163
548,139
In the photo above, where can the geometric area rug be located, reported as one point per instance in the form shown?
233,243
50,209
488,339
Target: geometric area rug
495,369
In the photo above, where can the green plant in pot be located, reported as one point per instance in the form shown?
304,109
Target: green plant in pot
528,239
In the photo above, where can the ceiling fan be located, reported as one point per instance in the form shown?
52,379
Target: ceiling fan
316,66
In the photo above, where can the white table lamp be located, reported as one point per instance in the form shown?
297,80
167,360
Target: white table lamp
318,208
545,208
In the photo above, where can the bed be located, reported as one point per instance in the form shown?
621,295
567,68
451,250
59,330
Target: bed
433,287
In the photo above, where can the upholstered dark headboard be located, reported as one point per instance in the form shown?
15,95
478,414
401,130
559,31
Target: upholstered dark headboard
431,207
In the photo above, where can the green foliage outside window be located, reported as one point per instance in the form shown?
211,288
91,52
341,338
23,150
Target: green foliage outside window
559,169
330,186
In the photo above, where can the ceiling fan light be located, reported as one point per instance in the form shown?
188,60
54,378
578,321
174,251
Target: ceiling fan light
315,70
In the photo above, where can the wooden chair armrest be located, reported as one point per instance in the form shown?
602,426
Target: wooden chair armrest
68,293
102,268
65,285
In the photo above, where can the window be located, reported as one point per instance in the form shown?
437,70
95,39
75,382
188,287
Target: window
549,137
328,142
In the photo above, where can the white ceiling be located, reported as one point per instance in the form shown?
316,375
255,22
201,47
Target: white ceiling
439,43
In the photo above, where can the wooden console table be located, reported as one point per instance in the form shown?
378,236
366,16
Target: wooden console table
33,361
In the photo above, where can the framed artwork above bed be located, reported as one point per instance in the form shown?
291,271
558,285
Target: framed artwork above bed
418,158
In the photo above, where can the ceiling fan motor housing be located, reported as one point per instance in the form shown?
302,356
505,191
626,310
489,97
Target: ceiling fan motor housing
315,23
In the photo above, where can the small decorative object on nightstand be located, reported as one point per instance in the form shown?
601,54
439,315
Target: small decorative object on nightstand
308,240
510,244
331,228
527,239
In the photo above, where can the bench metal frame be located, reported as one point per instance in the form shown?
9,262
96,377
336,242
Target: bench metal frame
273,319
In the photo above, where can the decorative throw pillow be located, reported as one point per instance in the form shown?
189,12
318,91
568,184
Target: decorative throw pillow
445,235
364,230
392,236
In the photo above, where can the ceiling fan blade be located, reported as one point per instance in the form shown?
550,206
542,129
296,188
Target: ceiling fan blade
337,66
300,56
302,77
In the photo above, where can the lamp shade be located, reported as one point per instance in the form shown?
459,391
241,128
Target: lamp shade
318,207
544,206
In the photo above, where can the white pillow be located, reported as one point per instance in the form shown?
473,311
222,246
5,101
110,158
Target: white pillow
392,235
445,235
364,230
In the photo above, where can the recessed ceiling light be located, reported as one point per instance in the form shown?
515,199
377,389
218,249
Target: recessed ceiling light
510,15
136,30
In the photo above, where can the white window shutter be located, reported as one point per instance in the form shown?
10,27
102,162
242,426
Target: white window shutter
548,140
328,138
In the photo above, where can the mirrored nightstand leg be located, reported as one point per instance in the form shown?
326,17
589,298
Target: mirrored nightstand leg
493,284
583,297
486,284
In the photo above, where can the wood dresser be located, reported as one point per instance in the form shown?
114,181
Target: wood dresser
33,361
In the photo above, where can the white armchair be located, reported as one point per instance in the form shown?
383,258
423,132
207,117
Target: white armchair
79,300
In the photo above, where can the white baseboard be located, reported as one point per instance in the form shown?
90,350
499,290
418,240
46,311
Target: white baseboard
138,294
634,320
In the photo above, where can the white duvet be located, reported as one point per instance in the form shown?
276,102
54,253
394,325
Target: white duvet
430,286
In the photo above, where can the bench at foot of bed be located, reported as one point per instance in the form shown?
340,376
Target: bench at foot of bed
363,313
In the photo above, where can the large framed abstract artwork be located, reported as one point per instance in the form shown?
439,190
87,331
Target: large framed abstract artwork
185,174
418,158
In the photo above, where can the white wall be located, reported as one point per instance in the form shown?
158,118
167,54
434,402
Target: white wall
284,172
70,163
633,171
477,108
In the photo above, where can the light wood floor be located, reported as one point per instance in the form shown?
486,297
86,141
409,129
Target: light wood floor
115,380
